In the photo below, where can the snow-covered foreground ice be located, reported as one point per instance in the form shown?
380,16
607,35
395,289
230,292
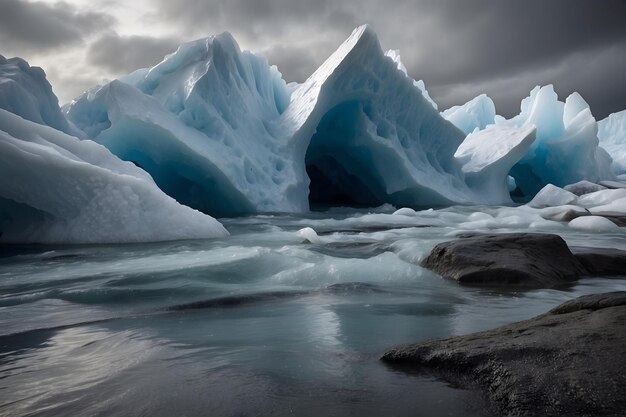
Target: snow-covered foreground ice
56,188
288,321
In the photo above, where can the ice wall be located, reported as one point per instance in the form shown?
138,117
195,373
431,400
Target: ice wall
25,91
220,131
203,123
612,135
475,114
488,156
56,188
566,148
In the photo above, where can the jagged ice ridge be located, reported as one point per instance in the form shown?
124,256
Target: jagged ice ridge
219,130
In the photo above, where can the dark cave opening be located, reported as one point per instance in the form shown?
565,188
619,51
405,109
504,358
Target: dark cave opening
340,170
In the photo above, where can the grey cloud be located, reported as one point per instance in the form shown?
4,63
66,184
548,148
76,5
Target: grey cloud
459,48
293,62
452,45
597,76
37,26
121,54
485,38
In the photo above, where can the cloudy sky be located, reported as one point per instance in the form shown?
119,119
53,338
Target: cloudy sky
460,48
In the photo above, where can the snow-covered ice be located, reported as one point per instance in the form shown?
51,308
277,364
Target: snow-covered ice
594,224
551,196
25,91
57,188
566,148
219,130
360,128
488,156
612,135
477,113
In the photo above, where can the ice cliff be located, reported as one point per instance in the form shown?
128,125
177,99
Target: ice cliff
612,135
475,114
566,149
56,188
25,91
219,130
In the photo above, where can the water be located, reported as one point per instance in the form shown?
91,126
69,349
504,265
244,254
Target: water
260,323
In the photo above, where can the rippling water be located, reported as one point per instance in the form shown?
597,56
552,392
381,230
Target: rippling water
260,323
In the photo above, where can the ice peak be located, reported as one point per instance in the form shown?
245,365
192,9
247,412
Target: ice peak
25,91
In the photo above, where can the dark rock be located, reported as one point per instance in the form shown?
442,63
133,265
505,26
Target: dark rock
519,259
568,362
592,302
602,261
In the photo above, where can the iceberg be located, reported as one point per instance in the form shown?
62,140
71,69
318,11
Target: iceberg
203,123
477,113
394,54
488,155
612,136
566,149
25,91
64,190
219,130
367,135
57,188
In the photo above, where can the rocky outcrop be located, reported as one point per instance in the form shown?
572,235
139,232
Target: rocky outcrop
567,362
521,260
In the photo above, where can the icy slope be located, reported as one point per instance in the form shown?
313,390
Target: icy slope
475,114
367,135
488,155
566,149
612,135
202,122
25,91
219,130
57,188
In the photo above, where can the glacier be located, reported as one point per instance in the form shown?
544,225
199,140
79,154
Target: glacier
216,129
57,188
566,149
64,190
25,91
477,113
203,123
612,136
489,155
358,131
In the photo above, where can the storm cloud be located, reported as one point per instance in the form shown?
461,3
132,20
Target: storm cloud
128,53
37,26
505,47
459,48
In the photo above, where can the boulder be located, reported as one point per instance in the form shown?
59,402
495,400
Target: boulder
567,362
602,261
512,259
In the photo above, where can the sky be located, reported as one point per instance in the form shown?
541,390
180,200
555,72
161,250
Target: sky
460,48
